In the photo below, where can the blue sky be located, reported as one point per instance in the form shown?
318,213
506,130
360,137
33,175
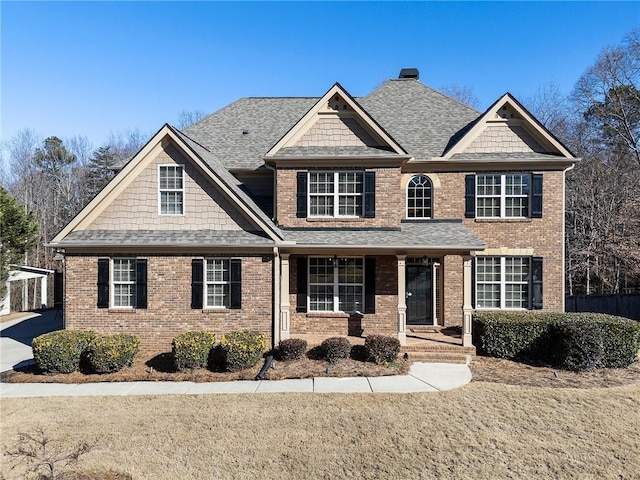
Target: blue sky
90,68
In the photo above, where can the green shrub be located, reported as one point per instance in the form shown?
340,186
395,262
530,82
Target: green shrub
382,349
242,349
60,351
110,353
291,349
335,349
620,340
542,336
513,335
192,349
579,344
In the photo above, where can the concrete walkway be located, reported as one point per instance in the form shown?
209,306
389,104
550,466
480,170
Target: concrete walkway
422,377
15,350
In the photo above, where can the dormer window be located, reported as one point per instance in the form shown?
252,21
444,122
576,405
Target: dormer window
171,189
419,197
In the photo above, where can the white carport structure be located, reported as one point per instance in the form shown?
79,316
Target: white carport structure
24,273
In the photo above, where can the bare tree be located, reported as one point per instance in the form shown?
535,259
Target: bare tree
189,117
462,93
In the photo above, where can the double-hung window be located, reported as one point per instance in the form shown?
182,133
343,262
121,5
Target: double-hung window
171,189
503,195
336,284
124,282
336,194
507,282
218,283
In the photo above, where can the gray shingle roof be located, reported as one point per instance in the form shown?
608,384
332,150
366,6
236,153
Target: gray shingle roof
317,151
158,238
440,235
420,119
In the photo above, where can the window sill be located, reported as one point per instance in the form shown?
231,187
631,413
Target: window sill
121,310
503,220
216,310
328,315
334,219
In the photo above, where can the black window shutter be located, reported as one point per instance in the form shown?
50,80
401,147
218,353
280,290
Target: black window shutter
369,194
301,204
141,283
236,283
370,285
536,283
470,196
301,299
103,283
197,273
536,195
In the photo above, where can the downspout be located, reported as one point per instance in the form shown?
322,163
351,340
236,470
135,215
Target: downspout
276,298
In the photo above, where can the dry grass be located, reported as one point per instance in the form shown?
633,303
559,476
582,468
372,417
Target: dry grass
159,367
483,430
498,370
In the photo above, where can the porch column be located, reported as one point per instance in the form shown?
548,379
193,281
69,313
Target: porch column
402,300
467,307
284,296
43,291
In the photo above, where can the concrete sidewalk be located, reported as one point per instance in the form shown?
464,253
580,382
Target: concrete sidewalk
422,377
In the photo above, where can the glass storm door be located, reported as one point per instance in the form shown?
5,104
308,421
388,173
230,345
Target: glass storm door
419,295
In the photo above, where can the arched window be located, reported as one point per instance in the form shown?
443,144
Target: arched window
419,197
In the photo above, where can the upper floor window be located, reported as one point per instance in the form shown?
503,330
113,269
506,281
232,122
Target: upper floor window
335,194
503,195
419,197
171,189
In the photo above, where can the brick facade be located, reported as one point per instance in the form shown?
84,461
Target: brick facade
169,301
389,202
383,322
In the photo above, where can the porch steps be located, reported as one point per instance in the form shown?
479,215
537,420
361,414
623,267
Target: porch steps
438,353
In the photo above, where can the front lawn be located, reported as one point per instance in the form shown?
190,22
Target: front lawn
482,431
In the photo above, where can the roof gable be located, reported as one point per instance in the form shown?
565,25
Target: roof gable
336,120
507,127
224,184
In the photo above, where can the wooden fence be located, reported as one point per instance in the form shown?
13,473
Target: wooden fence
622,304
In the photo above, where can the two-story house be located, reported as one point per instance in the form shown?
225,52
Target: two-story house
325,216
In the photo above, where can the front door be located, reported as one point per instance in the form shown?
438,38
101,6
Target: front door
419,295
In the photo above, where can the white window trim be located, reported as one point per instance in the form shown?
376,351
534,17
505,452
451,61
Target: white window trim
407,198
112,283
336,194
206,283
184,208
503,283
503,195
336,286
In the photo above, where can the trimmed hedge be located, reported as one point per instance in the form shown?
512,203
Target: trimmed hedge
382,349
335,349
61,351
291,349
192,349
570,340
242,349
110,353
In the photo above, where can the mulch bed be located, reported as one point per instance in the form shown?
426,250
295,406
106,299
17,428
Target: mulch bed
498,370
154,366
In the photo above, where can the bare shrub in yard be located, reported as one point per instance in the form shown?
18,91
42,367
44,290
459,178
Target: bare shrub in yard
381,348
335,349
291,349
39,455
